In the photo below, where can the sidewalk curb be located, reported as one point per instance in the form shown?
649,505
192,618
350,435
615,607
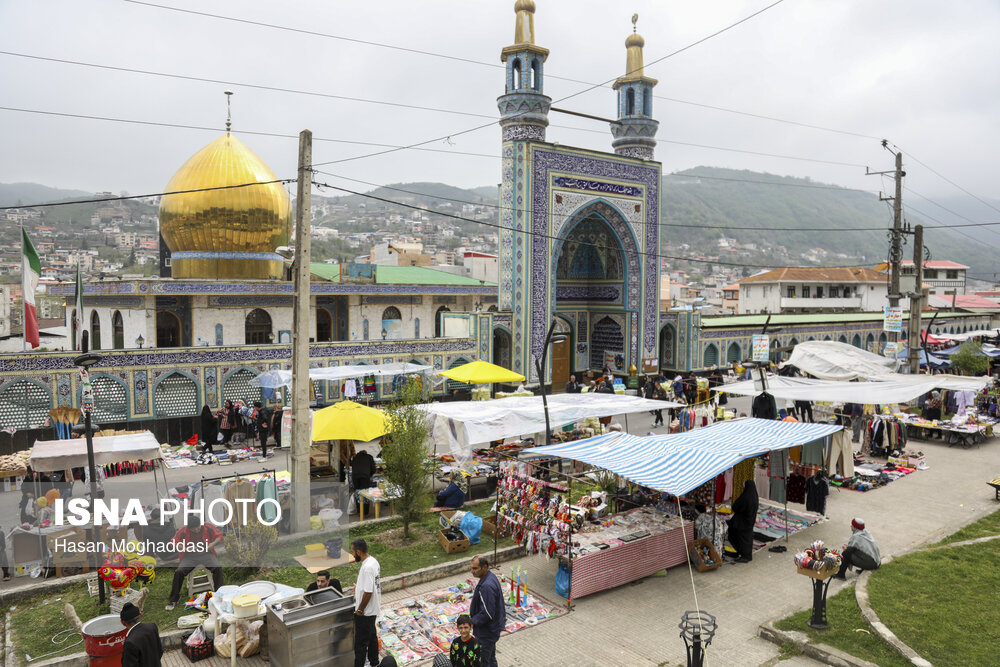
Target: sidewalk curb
880,628
821,652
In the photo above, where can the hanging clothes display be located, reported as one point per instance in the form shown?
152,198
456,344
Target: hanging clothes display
762,481
349,388
742,472
817,490
840,458
535,513
370,385
779,470
764,407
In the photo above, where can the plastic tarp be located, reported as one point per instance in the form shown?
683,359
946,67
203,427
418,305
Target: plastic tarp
53,455
458,426
986,351
936,362
992,333
279,378
897,388
830,360
678,463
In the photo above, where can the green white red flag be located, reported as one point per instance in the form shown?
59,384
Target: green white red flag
31,271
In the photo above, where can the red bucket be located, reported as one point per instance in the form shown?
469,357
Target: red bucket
103,640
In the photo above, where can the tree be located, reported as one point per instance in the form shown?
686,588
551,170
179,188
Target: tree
404,457
970,359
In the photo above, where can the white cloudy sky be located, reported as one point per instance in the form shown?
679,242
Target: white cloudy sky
922,73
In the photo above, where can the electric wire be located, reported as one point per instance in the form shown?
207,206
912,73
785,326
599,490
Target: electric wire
494,65
498,226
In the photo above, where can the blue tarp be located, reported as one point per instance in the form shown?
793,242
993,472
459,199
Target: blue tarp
952,350
936,362
678,463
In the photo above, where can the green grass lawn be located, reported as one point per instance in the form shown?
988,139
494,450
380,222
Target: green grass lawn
985,527
943,603
36,620
847,632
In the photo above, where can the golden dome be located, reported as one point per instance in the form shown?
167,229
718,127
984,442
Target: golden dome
635,39
231,233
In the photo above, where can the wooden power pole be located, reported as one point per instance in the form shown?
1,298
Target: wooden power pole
301,423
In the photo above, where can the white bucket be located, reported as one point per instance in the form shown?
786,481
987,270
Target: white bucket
330,518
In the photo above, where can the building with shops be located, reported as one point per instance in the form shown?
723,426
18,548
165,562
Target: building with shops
814,290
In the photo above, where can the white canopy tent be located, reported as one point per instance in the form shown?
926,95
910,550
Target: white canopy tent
992,333
57,455
830,360
280,378
894,388
460,425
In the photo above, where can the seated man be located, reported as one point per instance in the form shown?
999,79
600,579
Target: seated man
453,496
323,580
861,551
196,544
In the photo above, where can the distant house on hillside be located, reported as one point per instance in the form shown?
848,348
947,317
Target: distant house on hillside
805,290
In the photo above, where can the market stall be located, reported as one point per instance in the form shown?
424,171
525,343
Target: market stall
633,544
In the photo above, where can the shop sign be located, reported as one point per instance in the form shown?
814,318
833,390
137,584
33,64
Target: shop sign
86,392
760,345
891,349
893,319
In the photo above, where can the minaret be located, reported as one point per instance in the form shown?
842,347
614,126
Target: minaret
523,108
635,131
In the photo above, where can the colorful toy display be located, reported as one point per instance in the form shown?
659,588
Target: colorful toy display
818,557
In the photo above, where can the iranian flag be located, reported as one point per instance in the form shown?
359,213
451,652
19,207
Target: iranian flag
78,305
31,271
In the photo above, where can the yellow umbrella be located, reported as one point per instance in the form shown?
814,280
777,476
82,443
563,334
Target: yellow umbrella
481,372
348,421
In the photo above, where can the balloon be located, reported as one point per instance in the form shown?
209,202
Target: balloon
51,495
42,502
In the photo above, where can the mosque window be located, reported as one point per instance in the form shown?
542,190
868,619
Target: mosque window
176,395
647,102
452,385
416,327
168,329
734,353
391,313
95,331
606,337
24,404
438,321
629,102
536,75
110,400
856,341
711,356
364,330
258,327
117,331
237,387
516,69
324,325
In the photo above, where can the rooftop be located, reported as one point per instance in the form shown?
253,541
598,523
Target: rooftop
803,318
399,275
819,274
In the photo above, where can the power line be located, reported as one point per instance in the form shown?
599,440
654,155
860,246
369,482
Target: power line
402,105
661,224
155,194
556,238
951,182
570,96
494,65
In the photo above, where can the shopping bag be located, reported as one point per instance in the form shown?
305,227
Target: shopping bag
472,526
562,580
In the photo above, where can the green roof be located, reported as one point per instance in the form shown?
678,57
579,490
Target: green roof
400,275
807,318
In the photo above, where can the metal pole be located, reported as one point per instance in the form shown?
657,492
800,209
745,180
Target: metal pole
301,436
896,246
916,299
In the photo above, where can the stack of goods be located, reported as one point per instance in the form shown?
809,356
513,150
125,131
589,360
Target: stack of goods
818,558
536,513
771,522
870,475
420,628
15,464
619,529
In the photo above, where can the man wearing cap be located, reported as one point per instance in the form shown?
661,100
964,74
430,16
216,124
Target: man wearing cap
142,640
861,551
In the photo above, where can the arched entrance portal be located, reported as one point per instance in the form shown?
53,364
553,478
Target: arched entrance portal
501,347
594,284
168,329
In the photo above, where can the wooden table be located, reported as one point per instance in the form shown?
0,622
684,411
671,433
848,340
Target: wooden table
376,500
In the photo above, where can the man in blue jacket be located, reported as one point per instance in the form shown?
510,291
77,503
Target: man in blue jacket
489,615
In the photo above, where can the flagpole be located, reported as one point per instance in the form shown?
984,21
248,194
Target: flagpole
24,298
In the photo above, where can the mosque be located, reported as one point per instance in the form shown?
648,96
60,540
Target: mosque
578,248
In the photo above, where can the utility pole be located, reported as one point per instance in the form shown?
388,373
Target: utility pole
896,233
301,423
916,300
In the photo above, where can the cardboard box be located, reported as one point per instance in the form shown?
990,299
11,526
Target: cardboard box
899,461
455,547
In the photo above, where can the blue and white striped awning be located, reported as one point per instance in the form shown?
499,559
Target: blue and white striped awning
681,462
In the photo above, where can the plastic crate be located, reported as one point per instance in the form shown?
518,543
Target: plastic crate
199,652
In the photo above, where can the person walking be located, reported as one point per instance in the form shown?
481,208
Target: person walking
198,548
263,423
489,615
659,394
367,598
228,420
857,421
142,647
861,551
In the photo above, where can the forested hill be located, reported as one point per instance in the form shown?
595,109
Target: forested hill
749,202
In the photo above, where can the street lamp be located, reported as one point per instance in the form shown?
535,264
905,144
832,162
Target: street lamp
384,334
84,362
139,341
540,366
697,629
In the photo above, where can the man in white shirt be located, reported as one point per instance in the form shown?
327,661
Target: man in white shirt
367,598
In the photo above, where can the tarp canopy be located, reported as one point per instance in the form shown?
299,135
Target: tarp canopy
830,360
678,463
457,426
896,388
936,362
993,333
55,455
985,350
278,378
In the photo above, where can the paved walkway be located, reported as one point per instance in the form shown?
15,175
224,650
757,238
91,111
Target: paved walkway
636,624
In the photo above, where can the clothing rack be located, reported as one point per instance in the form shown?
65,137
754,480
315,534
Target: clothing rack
219,478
